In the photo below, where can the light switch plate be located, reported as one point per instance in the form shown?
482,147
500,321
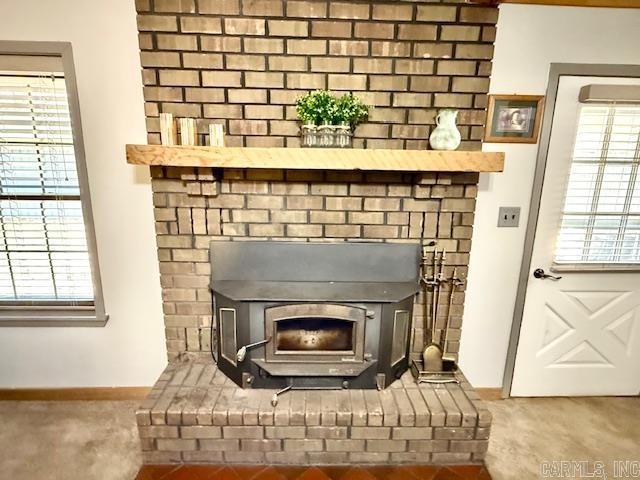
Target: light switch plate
508,216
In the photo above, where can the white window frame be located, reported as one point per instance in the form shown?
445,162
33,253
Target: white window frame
14,314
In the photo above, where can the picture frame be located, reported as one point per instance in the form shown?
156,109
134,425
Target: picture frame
514,118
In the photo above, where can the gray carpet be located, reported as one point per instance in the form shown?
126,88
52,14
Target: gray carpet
529,431
68,441
98,440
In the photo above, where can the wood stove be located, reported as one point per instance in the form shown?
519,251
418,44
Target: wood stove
313,315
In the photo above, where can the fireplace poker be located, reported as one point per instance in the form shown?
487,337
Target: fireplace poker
426,282
439,281
242,351
433,293
455,282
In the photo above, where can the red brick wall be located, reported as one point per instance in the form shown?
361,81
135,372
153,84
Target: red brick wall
243,63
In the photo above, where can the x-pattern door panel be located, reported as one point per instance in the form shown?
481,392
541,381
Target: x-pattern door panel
576,336
587,343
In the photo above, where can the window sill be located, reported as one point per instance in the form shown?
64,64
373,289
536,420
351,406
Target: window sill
47,318
596,268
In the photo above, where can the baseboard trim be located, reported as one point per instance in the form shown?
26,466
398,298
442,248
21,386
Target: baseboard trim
490,393
74,394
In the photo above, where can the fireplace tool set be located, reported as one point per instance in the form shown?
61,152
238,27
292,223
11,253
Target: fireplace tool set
435,366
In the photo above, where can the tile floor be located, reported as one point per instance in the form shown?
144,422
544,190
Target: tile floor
158,472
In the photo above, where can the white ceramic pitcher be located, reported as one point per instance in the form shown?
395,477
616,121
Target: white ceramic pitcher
446,135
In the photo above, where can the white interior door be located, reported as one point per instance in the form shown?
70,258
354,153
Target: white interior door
580,334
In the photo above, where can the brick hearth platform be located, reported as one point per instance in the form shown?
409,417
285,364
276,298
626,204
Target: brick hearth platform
194,414
219,472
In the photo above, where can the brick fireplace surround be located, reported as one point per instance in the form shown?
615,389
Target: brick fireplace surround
195,413
243,64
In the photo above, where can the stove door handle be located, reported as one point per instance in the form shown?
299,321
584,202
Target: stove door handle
242,351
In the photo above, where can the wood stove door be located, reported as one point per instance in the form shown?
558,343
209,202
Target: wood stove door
232,326
315,333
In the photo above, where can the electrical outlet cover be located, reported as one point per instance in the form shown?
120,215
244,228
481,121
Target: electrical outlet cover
508,216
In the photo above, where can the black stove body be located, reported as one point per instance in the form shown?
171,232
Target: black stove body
313,315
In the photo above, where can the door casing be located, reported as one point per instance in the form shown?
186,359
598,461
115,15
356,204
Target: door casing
556,71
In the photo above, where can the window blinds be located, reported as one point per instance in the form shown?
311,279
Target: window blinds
601,215
43,248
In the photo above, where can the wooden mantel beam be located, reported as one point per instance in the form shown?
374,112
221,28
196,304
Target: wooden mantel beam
316,158
567,3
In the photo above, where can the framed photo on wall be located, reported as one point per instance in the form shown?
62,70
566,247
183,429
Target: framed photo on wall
513,118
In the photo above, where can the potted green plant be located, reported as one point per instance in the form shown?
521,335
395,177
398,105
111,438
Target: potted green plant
316,107
329,121
349,113
350,110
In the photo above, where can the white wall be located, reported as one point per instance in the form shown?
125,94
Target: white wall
529,39
130,350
